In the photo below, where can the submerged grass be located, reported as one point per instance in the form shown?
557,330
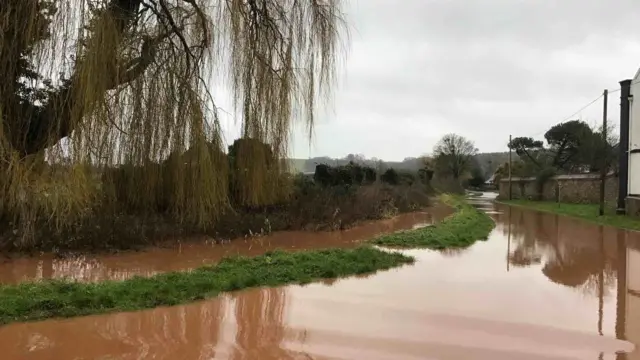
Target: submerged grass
463,228
56,299
587,212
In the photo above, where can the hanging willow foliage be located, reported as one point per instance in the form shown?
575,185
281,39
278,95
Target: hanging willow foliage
88,86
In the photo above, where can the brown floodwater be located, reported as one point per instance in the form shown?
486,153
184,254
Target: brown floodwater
195,253
542,287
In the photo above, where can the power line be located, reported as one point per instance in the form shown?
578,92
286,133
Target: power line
574,114
583,108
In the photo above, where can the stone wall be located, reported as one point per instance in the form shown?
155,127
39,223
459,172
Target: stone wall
633,206
582,188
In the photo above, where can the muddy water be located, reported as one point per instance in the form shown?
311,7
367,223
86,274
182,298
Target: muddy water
192,254
542,287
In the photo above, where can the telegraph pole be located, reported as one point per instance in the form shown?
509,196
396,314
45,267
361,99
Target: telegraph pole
605,152
510,191
623,153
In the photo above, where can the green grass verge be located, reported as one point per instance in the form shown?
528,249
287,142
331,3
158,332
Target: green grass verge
588,212
459,230
54,299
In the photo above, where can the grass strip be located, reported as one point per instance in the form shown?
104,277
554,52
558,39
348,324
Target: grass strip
459,230
61,298
587,212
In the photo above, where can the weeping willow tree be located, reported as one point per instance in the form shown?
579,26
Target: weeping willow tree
91,85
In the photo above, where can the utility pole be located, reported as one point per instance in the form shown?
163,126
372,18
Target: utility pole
605,152
623,167
510,191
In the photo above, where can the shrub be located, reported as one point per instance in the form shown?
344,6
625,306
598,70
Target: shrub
390,177
407,178
350,174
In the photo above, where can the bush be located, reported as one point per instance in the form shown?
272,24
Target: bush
425,175
407,178
350,174
390,177
477,178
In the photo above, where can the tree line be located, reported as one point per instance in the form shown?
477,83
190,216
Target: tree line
571,147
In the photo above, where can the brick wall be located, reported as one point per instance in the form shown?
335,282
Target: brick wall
582,188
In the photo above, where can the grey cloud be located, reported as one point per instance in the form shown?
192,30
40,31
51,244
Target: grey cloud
483,68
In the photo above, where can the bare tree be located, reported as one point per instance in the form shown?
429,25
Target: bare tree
453,155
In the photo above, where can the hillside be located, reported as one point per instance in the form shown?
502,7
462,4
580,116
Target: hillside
488,162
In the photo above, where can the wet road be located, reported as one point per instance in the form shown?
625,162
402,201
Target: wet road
542,287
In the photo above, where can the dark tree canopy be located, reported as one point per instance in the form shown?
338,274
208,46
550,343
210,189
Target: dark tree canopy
572,147
477,178
528,148
566,141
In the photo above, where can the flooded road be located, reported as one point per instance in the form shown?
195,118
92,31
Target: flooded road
197,253
542,287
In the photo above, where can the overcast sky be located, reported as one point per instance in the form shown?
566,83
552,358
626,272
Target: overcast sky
484,69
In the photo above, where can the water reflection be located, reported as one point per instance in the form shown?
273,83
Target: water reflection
196,253
542,287
571,252
186,332
261,338
596,260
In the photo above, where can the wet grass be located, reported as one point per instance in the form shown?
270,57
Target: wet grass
459,230
587,212
60,299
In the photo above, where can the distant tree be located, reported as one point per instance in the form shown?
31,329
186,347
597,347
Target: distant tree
597,152
566,141
453,155
427,167
356,158
572,147
477,178
520,168
528,149
489,162
390,177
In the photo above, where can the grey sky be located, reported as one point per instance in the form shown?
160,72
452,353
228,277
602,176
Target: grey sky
418,69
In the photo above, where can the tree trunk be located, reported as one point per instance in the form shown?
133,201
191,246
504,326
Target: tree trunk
32,128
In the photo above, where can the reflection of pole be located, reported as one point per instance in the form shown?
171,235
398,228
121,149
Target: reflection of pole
601,281
509,239
621,293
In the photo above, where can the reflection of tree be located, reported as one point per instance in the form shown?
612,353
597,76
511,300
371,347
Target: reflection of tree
453,252
261,331
178,332
523,256
573,253
526,252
